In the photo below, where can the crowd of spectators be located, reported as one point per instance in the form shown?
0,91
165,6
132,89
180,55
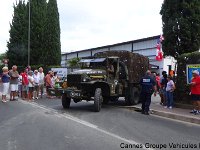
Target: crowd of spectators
29,84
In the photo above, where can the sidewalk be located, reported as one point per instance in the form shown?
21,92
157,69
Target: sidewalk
175,113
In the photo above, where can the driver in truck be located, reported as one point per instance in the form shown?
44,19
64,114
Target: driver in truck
110,70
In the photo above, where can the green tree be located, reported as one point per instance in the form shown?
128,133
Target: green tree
181,26
73,62
17,44
52,54
37,35
2,57
44,33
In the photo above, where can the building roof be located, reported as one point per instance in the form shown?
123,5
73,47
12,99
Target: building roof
117,44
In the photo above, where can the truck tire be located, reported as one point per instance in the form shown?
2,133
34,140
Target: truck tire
97,100
133,96
65,101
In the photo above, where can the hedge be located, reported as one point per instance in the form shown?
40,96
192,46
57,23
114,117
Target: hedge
182,88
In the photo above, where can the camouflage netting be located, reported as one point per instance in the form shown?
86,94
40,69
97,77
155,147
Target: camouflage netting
137,64
182,89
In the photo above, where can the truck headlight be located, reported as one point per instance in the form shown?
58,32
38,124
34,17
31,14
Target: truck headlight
84,79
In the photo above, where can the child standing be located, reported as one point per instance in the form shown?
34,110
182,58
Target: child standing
6,81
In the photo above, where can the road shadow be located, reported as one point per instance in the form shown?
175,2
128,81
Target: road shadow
85,107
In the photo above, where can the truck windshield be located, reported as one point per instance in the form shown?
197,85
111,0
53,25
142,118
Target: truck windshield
97,63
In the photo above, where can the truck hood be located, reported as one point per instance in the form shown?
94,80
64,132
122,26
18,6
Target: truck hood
90,72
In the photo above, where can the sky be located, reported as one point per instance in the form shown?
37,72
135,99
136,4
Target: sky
88,24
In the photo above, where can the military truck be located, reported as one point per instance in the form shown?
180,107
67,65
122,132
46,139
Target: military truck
93,82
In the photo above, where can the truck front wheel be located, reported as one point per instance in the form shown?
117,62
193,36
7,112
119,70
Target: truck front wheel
65,101
98,100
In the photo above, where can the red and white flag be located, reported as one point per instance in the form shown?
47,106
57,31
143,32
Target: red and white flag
159,53
161,38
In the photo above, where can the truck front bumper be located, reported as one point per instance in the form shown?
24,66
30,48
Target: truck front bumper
71,93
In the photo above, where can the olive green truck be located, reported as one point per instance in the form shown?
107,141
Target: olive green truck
93,82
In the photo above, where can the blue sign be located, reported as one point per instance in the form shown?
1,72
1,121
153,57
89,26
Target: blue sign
190,69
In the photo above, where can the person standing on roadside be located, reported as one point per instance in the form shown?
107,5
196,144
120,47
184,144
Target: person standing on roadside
158,85
29,68
169,92
48,83
36,84
6,81
163,90
14,75
148,85
30,85
41,81
163,79
54,79
20,85
195,92
25,84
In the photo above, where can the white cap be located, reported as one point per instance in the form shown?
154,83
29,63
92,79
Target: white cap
195,72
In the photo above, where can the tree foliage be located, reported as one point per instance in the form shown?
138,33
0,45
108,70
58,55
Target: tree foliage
181,26
17,44
37,36
52,32
44,33
73,62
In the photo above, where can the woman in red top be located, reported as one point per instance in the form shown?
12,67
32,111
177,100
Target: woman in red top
195,92
25,84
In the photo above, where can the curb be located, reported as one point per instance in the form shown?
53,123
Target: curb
177,117
170,115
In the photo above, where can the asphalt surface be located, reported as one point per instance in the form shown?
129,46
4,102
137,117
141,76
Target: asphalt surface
44,124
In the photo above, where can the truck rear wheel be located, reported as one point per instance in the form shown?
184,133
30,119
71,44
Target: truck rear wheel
97,100
65,101
133,96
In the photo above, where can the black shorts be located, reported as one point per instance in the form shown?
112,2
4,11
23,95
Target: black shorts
47,88
31,89
36,88
195,97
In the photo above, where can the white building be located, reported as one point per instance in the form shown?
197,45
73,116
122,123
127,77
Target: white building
145,46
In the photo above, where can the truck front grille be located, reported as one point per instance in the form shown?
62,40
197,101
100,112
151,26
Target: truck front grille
73,80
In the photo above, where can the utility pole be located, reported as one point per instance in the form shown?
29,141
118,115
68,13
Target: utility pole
29,31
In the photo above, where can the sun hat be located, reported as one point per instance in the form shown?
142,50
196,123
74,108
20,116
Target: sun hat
195,72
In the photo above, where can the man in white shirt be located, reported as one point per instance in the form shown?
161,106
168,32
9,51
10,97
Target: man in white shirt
36,84
41,80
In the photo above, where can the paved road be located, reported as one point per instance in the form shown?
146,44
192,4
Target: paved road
44,124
